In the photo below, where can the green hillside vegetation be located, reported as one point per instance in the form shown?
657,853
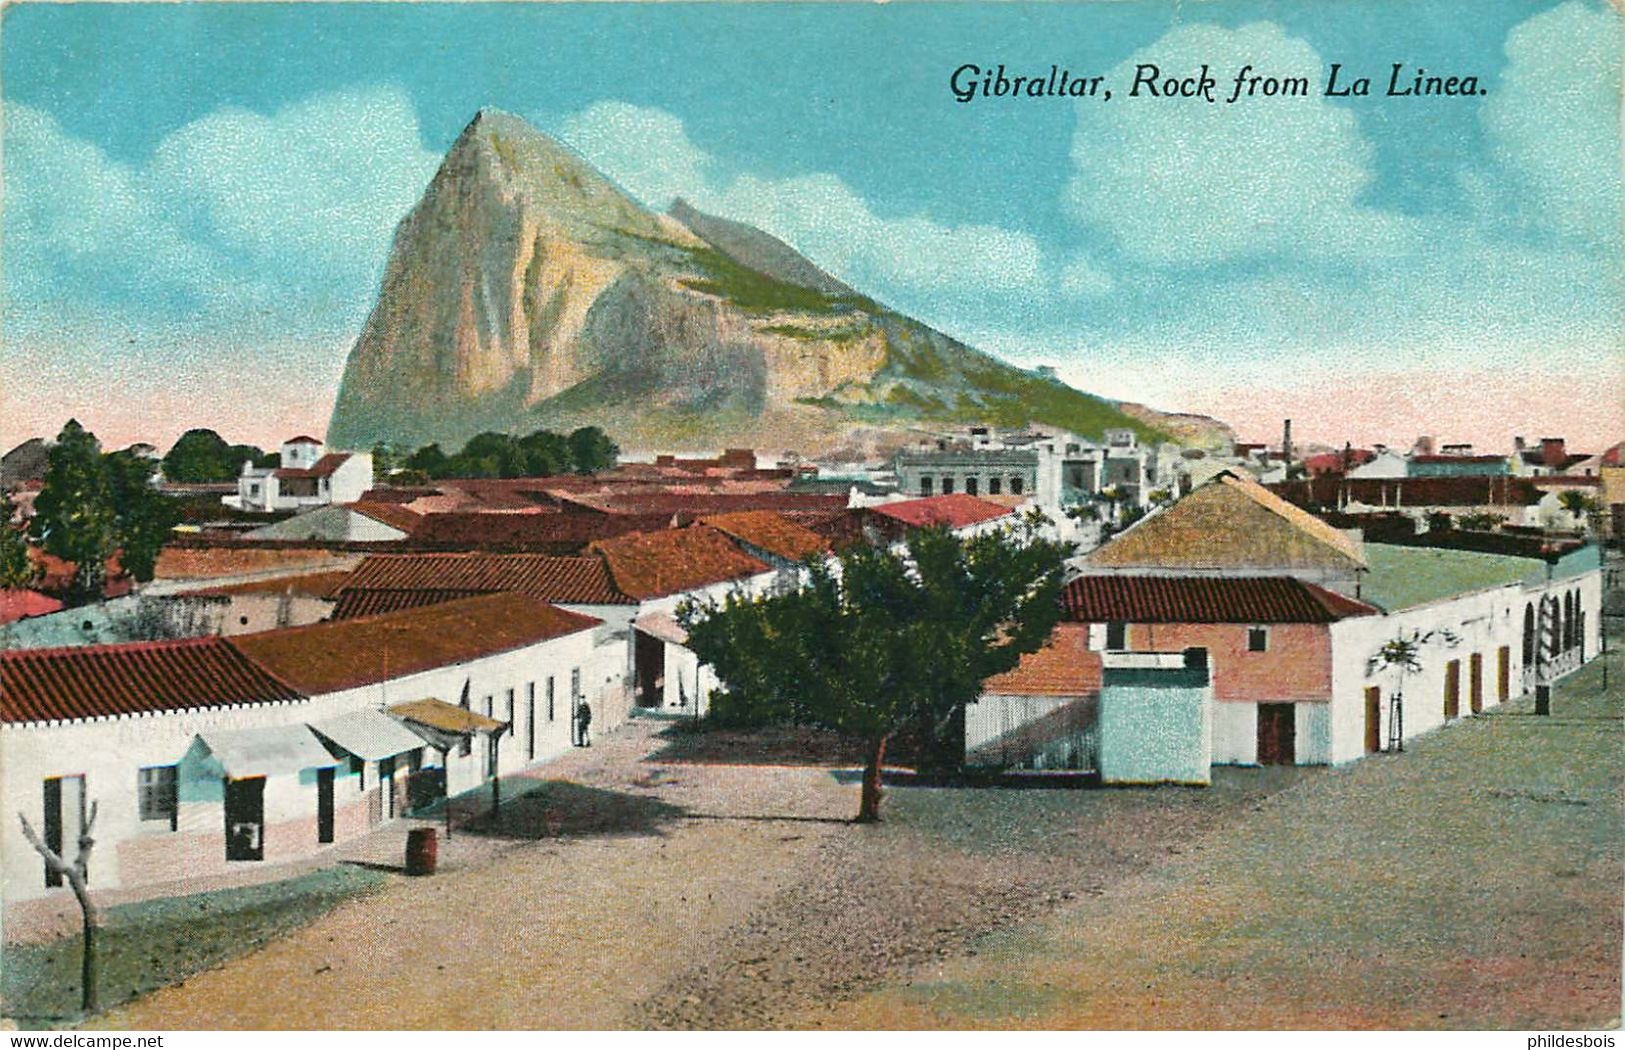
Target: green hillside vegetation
756,292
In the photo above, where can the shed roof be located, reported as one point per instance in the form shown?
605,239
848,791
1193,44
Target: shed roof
320,469
1205,599
341,654
1403,577
21,603
98,681
368,733
1063,667
447,718
265,750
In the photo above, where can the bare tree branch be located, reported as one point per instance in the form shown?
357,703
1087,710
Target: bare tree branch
52,860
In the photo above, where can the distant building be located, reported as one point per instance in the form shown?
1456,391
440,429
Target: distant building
308,477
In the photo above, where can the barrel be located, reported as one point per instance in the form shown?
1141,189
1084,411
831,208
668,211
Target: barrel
422,848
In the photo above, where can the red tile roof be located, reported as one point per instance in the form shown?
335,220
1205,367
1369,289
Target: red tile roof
545,577
392,514
352,604
333,655
1063,667
955,510
770,532
1205,599
20,604
302,439
654,564
322,468
661,502
554,533
97,681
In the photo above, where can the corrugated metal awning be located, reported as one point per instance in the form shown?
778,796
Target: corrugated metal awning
266,751
663,626
368,734
448,718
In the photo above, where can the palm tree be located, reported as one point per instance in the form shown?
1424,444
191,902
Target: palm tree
1403,652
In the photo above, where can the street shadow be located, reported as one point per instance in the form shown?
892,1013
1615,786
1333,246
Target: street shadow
690,743
373,865
559,808
768,818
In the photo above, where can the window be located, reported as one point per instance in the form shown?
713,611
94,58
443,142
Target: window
1258,639
947,486
575,685
1117,636
925,485
155,788
550,698
995,486
1016,485
972,486
490,706
510,707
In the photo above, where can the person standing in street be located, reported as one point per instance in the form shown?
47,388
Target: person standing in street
583,725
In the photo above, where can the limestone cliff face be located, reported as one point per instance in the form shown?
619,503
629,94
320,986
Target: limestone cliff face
525,290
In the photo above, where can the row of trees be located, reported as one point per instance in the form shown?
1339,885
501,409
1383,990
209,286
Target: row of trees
585,450
92,505
887,639
203,455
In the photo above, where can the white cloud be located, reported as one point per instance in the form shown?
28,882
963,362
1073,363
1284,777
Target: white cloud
1554,120
1085,279
234,213
648,151
1187,182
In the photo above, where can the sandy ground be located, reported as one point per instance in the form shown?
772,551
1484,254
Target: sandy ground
1473,881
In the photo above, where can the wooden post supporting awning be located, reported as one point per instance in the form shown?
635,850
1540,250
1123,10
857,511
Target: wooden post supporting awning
444,725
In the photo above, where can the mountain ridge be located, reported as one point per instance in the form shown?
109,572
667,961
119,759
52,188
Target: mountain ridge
526,290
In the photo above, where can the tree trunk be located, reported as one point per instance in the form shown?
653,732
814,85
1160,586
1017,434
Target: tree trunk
869,807
90,963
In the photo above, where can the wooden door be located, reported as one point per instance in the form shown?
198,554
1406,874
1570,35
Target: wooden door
1373,719
1277,735
245,819
324,804
649,669
1475,683
1452,689
1503,673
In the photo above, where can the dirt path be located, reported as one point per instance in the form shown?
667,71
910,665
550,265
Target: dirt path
553,933
1472,882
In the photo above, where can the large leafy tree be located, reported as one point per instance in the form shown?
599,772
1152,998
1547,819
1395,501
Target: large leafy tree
203,455
74,517
885,639
91,505
143,516
591,450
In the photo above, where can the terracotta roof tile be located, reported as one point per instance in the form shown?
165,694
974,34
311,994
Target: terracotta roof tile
21,603
955,510
1205,599
654,564
334,655
1063,667
352,604
97,681
578,579
551,532
770,532
322,468
1457,491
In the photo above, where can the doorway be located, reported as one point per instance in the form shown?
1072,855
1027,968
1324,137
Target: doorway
64,815
1503,673
1452,689
1373,719
649,667
1277,735
245,819
1475,683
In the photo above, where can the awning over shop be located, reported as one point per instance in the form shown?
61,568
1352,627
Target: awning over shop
441,723
266,751
663,626
368,734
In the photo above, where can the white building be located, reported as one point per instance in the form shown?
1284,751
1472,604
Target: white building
206,754
308,476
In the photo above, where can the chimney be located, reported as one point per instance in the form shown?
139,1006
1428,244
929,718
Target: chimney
1286,440
1517,444
1424,445
1552,452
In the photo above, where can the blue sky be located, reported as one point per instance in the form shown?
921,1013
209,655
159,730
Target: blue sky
199,198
